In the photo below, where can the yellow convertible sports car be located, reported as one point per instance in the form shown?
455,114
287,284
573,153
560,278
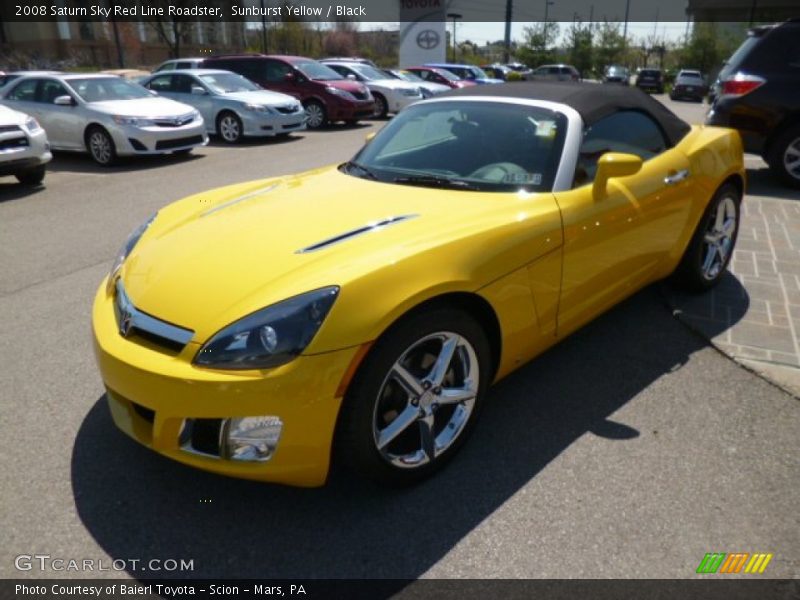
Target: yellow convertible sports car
362,311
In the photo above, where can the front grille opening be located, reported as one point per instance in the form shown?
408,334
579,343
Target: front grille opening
179,142
146,413
159,343
202,435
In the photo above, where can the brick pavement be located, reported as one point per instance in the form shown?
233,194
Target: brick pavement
754,314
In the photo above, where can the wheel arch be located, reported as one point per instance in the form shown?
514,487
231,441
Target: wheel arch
790,120
89,127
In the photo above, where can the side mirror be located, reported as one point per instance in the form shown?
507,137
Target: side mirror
351,77
289,76
64,100
152,92
368,138
198,91
614,164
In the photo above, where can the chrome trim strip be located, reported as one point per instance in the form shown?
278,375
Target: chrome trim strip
375,226
247,196
129,318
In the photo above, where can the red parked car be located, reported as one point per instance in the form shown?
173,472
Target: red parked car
326,95
434,75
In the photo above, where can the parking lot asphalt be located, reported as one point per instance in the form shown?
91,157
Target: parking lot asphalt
631,449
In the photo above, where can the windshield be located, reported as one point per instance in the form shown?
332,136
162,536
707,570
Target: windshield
487,146
102,89
227,83
369,73
478,73
317,71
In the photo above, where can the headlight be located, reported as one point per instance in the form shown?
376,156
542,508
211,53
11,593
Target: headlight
258,108
269,337
135,121
338,92
32,125
123,253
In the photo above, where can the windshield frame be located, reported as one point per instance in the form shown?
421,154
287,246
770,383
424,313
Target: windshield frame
562,168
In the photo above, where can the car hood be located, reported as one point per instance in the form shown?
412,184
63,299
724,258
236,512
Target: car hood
11,117
213,258
343,84
393,84
142,107
436,88
261,97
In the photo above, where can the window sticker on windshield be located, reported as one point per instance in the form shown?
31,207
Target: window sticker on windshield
546,129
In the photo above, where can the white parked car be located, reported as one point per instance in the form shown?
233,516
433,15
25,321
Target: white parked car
105,115
429,88
391,95
24,150
232,106
179,64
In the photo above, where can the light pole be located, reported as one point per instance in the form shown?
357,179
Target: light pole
547,5
454,16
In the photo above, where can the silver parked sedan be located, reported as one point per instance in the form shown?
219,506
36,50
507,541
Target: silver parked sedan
105,115
232,106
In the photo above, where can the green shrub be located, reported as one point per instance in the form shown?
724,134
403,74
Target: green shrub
514,76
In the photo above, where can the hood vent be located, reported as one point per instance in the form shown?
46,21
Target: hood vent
247,196
355,232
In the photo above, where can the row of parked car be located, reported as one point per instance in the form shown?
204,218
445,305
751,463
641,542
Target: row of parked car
175,108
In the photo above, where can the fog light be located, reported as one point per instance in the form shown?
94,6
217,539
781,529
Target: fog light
251,438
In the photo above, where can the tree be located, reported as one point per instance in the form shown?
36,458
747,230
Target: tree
702,52
172,31
581,48
610,47
537,44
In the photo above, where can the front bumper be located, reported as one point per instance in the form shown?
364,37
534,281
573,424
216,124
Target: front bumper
398,101
130,140
346,110
151,393
265,124
20,151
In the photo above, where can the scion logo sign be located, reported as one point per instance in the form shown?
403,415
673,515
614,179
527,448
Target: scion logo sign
721,562
427,39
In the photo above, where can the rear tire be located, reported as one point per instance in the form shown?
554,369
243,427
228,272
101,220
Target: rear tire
403,418
784,157
33,176
711,247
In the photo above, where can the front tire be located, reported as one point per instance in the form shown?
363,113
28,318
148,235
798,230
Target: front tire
784,157
229,127
416,397
100,146
711,248
381,106
33,176
317,117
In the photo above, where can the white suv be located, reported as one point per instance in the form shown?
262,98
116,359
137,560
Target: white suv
24,149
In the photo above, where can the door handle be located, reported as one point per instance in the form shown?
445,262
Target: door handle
676,177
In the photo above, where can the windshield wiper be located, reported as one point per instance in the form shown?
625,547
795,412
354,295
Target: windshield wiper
367,173
435,181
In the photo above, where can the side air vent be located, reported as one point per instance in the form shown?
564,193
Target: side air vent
355,232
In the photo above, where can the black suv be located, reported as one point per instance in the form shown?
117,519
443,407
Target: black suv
758,93
650,80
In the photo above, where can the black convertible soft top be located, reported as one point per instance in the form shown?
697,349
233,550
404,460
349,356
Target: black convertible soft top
593,101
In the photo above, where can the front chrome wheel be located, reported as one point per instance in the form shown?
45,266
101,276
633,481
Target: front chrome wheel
230,128
315,115
791,159
101,147
719,237
426,400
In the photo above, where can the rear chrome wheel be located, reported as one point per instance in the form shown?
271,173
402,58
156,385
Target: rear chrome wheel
416,397
718,240
783,156
711,247
315,115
